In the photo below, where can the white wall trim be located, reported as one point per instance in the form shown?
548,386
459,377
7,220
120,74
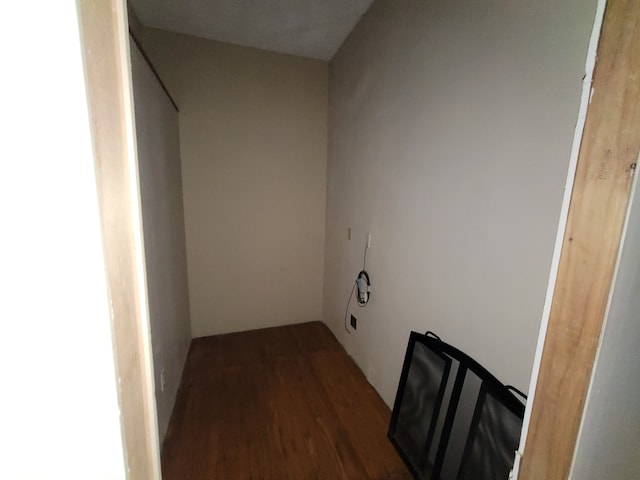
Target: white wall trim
562,224
136,208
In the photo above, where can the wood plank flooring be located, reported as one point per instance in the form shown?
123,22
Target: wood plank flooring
280,403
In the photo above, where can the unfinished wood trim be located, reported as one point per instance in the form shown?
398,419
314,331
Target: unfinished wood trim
105,51
602,186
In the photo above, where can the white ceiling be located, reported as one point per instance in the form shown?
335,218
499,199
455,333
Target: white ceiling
308,28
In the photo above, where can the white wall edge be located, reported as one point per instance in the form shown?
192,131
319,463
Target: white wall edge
136,207
562,224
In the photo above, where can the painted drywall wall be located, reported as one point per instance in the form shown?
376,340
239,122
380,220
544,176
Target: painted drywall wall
60,402
451,124
609,439
159,170
253,133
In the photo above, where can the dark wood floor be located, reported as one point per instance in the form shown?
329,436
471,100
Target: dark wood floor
280,403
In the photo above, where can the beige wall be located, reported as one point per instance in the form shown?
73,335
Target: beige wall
163,231
253,132
451,125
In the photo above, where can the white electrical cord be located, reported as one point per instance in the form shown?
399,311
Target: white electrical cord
363,277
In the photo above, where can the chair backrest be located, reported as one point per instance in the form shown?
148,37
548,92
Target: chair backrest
493,436
452,419
414,419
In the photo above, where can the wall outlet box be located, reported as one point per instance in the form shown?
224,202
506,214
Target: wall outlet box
354,322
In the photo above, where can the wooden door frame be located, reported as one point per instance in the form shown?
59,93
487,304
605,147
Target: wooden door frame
105,48
598,208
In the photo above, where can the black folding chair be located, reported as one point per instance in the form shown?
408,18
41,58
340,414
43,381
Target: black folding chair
494,435
452,419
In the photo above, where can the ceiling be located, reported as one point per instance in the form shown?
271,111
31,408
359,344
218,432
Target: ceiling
308,28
